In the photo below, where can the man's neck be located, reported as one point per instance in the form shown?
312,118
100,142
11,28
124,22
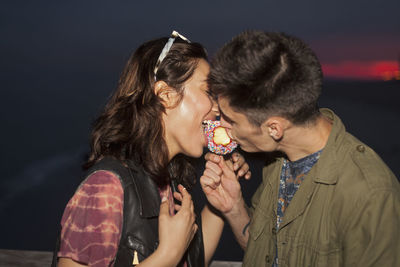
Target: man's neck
301,141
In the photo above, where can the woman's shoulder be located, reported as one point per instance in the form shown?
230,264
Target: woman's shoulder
102,179
92,215
101,188
111,169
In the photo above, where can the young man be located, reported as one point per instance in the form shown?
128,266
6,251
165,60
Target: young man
326,198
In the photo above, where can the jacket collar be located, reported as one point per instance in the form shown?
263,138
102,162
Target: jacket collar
326,168
322,172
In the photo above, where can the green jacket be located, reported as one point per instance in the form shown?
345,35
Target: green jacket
345,213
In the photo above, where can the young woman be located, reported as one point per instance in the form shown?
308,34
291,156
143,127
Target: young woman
124,213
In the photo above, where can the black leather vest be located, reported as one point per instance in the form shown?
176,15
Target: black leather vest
140,217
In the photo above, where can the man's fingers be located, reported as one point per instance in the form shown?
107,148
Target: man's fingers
214,167
206,181
236,156
238,161
248,175
229,163
243,170
216,178
228,172
212,157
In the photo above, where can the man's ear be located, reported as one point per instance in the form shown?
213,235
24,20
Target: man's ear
168,95
274,127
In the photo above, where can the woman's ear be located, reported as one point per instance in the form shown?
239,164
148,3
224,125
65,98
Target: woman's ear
168,95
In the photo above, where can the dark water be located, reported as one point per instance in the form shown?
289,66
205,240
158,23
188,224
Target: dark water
44,140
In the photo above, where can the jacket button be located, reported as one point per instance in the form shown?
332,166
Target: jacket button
273,231
267,260
360,148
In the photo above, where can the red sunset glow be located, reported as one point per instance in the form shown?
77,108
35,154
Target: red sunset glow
363,70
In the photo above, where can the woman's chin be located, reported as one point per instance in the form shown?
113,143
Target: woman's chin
195,152
198,154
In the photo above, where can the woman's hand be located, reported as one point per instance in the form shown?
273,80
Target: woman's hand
177,231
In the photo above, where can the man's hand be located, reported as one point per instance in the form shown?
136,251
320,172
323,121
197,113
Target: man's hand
222,189
240,166
220,182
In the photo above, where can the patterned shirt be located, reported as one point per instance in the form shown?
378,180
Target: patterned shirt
293,173
92,220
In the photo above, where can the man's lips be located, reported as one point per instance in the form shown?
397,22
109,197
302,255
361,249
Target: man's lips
231,137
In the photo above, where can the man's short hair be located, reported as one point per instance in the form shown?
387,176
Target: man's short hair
265,74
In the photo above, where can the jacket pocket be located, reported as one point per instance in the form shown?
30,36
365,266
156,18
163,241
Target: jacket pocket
306,254
256,230
261,224
143,250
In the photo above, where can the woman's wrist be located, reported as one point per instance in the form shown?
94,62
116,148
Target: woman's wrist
168,255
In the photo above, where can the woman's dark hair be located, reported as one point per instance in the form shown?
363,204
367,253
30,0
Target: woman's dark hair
130,127
266,74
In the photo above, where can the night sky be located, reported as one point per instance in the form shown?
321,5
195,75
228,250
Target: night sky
61,60
98,35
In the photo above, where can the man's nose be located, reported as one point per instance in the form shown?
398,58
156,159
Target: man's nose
225,124
215,108
227,127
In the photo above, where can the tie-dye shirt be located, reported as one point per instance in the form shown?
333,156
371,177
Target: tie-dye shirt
92,220
293,173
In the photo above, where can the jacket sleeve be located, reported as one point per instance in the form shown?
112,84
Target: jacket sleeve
255,199
373,235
